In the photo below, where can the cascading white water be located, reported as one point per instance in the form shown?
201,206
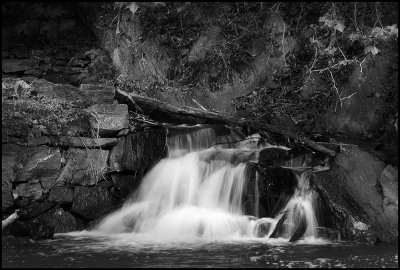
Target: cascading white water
197,193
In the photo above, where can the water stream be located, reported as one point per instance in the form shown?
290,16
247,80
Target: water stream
197,193
188,212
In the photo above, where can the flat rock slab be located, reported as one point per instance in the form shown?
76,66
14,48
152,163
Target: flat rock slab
16,65
98,94
110,118
92,202
84,167
82,142
138,151
390,186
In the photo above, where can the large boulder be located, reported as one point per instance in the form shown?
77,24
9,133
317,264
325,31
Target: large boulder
61,221
39,164
364,110
125,183
61,195
139,151
109,118
356,198
34,210
91,202
83,166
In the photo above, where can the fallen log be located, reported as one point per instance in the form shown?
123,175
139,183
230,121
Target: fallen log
9,220
169,113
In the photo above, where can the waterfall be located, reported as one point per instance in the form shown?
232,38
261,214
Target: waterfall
197,192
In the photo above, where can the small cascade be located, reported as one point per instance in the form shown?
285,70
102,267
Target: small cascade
198,192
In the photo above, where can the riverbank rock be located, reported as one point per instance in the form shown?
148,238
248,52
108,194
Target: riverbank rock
98,94
353,191
125,183
92,202
7,199
110,119
34,210
59,220
34,229
61,195
138,151
83,166
363,112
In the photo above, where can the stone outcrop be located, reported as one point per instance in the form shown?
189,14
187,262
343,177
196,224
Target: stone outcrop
363,112
359,189
129,153
109,119
92,202
83,166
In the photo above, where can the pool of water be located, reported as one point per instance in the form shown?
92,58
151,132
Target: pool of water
86,249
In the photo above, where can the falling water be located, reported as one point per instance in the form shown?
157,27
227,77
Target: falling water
197,193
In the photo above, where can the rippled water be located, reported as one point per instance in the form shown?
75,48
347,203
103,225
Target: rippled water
86,249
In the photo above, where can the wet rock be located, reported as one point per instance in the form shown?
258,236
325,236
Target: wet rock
34,210
98,94
272,155
82,142
59,220
61,195
29,190
328,233
84,166
34,229
138,151
263,229
352,191
300,230
16,65
92,202
279,226
126,183
110,118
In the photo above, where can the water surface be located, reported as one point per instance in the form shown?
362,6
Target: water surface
88,249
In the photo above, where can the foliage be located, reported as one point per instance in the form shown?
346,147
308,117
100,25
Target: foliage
40,115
